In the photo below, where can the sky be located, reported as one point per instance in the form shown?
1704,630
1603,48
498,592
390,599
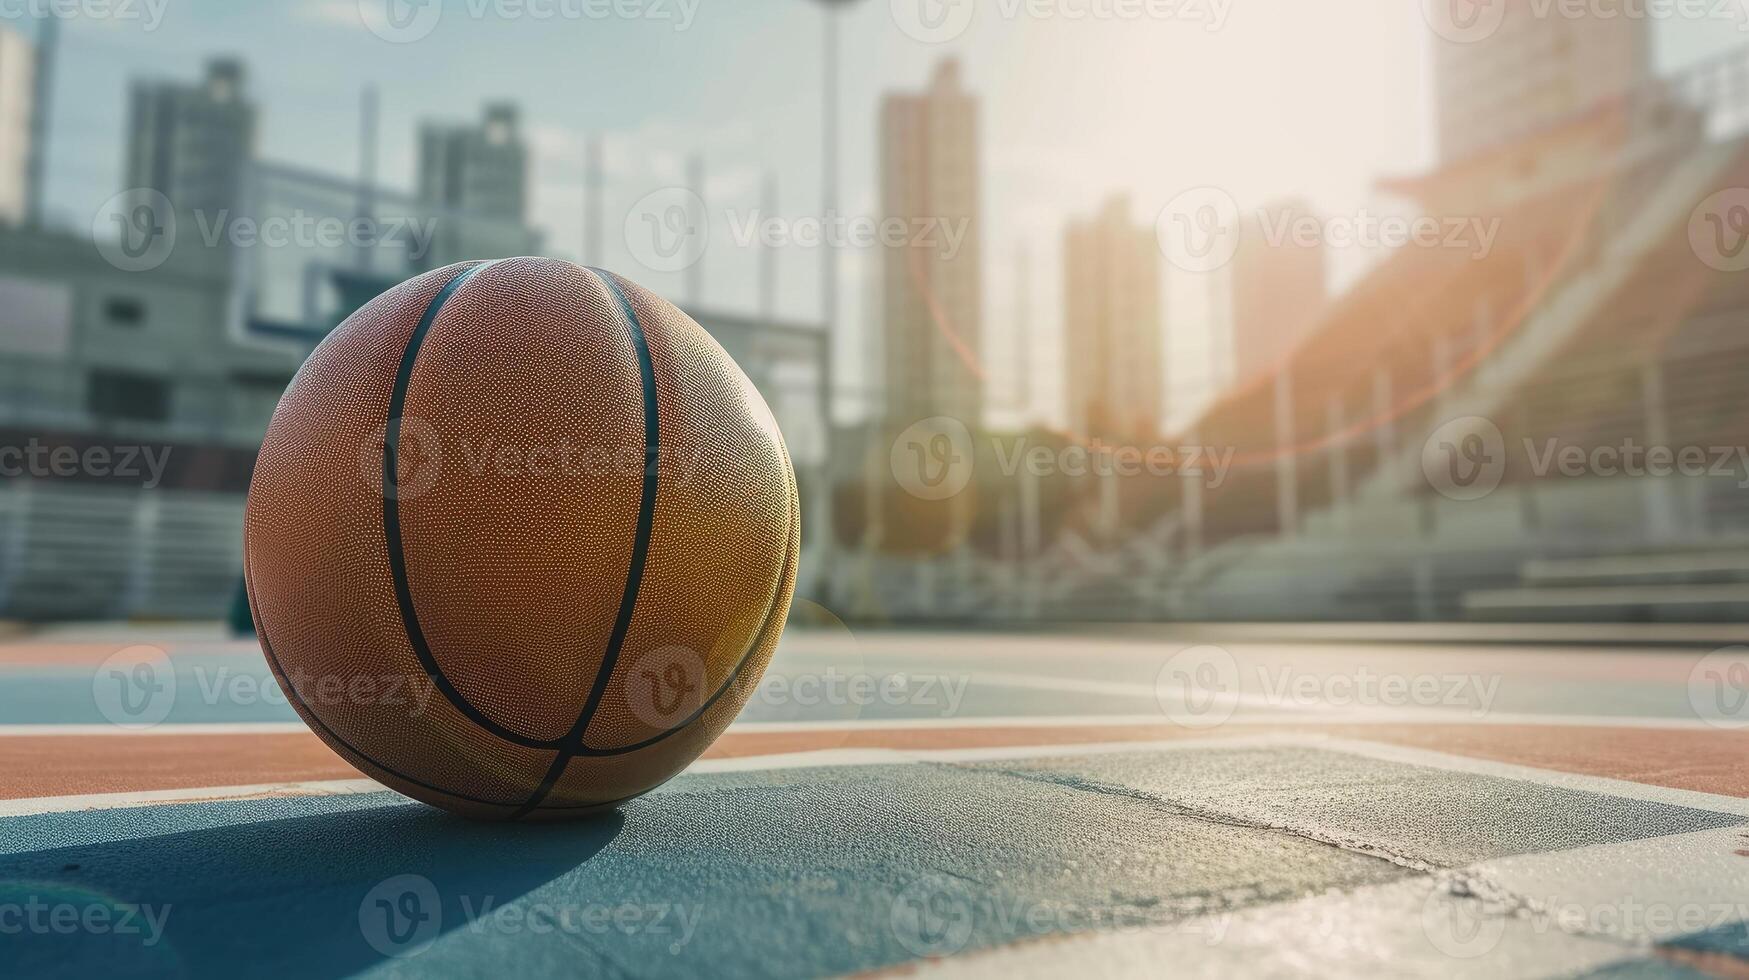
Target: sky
1266,99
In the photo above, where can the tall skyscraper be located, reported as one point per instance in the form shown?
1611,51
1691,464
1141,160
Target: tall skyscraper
193,143
1279,289
1112,328
479,170
932,283
17,85
474,178
1508,68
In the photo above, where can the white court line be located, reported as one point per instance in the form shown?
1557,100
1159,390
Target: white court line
119,801
1130,689
1602,785
1557,913
825,758
1357,717
1365,716
227,728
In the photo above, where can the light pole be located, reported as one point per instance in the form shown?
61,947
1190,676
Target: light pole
829,196
48,45
822,495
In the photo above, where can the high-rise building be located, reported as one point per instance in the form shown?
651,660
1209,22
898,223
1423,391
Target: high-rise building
17,85
1112,328
479,170
932,282
193,143
474,179
1528,66
1279,288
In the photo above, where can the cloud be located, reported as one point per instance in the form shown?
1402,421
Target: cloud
341,13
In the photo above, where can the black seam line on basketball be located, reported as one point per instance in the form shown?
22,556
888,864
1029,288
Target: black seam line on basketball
795,518
734,675
573,741
392,524
309,713
795,514
793,529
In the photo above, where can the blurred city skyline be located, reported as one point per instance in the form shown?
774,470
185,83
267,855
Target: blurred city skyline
1225,95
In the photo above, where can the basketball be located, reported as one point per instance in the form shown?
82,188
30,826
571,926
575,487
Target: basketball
520,540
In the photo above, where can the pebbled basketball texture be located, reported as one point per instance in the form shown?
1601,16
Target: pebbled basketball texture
521,539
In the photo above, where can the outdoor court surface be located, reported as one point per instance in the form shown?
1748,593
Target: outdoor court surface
1052,804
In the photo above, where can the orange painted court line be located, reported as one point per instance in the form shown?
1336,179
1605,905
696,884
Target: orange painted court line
57,654
92,654
1698,760
32,766
1701,760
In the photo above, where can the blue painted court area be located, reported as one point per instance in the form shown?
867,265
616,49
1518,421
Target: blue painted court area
927,829
795,872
